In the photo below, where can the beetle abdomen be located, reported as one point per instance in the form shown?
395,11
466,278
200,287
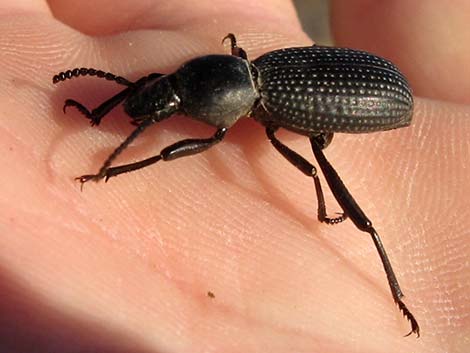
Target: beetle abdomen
324,89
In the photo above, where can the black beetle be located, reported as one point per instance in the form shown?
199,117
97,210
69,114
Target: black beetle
314,91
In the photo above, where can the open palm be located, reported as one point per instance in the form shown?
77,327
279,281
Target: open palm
221,252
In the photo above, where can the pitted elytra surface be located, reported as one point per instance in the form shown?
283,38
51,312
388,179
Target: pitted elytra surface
322,89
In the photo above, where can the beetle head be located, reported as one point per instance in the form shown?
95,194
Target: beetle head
153,97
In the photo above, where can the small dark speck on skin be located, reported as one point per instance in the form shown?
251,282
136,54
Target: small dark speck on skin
210,294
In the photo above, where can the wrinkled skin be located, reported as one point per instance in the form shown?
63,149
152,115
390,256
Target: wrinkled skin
128,265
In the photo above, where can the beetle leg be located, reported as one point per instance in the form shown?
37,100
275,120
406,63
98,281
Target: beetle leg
102,172
104,108
236,50
360,220
179,149
309,170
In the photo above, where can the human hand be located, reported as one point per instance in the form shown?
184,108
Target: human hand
127,265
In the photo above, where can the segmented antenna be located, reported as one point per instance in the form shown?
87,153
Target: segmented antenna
69,74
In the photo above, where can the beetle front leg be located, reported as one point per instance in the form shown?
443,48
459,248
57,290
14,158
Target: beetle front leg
309,170
99,112
177,150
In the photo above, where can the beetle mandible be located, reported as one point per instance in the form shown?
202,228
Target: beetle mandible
314,91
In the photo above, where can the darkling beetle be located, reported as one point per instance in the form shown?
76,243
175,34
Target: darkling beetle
314,91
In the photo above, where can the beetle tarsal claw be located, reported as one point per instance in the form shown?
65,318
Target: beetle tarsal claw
85,178
409,316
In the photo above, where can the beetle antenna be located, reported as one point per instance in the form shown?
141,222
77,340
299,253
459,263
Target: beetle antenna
69,74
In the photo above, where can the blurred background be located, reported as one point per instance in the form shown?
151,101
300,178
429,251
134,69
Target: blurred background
314,15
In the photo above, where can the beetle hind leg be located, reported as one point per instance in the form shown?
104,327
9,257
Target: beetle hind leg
309,170
362,222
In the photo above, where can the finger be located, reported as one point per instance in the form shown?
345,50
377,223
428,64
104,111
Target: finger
110,17
259,28
47,149
427,39
8,7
